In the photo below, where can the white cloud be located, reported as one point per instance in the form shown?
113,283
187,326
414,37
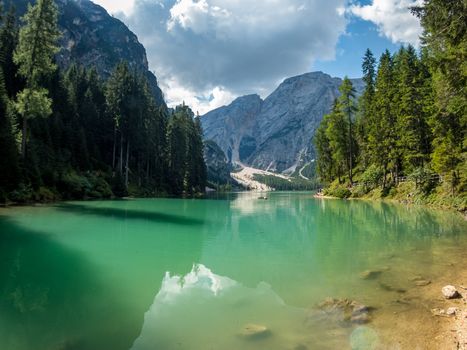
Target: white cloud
200,102
227,48
116,6
393,18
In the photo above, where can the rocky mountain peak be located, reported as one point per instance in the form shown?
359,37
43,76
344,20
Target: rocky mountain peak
275,134
93,38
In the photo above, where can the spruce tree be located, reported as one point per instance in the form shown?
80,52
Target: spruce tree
348,107
8,42
383,135
9,175
337,134
325,165
34,55
365,118
445,40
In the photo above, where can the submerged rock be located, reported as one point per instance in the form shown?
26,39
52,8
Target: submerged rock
346,310
444,313
390,288
450,292
370,274
254,331
422,283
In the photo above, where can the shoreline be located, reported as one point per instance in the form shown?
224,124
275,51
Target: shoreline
463,213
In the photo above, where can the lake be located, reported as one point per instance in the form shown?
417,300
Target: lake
191,274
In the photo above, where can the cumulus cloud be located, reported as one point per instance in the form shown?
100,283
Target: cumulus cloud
117,6
207,51
393,19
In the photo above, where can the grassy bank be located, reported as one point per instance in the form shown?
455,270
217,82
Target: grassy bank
408,192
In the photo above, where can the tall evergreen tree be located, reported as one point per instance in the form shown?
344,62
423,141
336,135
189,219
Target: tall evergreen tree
382,135
338,136
412,122
348,107
445,39
34,55
325,165
9,175
365,118
8,42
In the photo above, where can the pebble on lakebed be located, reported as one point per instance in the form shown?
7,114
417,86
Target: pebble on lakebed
450,292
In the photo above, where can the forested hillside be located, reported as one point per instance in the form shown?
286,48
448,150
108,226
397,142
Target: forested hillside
405,137
68,134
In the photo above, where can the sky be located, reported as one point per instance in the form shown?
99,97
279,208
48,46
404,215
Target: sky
208,52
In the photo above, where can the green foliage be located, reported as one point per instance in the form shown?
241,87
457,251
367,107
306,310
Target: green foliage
338,190
372,177
425,179
33,103
34,55
292,184
100,138
38,42
411,119
185,148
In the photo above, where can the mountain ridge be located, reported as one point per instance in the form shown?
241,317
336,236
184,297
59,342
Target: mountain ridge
91,37
275,134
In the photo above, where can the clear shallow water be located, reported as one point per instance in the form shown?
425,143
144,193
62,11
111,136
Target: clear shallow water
189,274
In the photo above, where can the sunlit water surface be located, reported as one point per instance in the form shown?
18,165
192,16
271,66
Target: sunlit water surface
189,274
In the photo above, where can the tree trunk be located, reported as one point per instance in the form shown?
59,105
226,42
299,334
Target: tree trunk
24,138
121,154
127,167
114,155
350,149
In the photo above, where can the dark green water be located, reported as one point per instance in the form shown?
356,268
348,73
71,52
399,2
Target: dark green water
188,274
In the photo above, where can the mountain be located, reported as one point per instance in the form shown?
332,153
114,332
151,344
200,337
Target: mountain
217,165
93,38
275,134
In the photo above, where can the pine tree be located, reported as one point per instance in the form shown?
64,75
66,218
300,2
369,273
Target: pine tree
9,175
338,136
325,165
348,108
444,38
365,118
383,133
8,42
34,55
412,122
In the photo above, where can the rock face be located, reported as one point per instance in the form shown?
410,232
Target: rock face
218,166
93,38
275,134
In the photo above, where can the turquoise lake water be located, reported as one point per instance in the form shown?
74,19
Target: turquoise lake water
190,274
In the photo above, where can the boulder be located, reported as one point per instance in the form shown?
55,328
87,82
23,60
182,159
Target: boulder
451,311
450,292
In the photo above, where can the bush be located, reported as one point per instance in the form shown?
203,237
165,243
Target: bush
425,179
337,190
100,187
90,185
45,195
24,194
371,178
